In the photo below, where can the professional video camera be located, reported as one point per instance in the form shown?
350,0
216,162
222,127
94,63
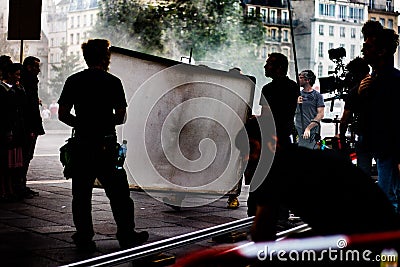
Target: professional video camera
339,81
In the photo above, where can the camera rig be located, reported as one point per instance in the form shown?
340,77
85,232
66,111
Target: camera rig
338,81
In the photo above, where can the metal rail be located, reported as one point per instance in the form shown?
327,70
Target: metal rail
135,253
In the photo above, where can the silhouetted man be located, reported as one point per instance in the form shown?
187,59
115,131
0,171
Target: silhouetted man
99,102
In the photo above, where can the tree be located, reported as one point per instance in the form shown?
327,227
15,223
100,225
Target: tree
130,24
6,48
68,65
215,29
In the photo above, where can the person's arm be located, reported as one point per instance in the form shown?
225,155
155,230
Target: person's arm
318,117
64,115
344,122
120,116
264,225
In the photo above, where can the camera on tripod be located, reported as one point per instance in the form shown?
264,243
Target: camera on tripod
339,80
336,53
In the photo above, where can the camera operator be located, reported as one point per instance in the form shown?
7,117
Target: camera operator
357,69
312,113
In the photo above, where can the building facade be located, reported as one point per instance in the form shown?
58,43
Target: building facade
70,24
326,25
275,17
81,18
57,34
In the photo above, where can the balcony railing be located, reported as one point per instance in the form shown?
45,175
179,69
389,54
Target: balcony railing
276,21
277,39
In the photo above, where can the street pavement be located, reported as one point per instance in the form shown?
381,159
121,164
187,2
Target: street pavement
37,231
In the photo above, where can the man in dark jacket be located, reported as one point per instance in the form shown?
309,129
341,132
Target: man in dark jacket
281,96
32,118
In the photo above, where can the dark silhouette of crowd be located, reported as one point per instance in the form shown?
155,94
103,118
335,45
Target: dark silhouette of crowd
21,124
323,187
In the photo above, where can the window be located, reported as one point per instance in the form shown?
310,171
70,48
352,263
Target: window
321,29
342,32
285,35
360,14
91,20
390,24
251,11
356,13
71,38
273,34
331,30
353,33
320,70
78,21
72,22
264,15
52,42
264,52
382,21
272,16
342,12
330,46
78,39
321,49
352,51
273,49
327,10
84,20
389,5
285,17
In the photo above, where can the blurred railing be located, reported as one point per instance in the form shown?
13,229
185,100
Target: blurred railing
153,248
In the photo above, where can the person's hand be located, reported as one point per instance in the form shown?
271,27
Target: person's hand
307,133
364,84
300,100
